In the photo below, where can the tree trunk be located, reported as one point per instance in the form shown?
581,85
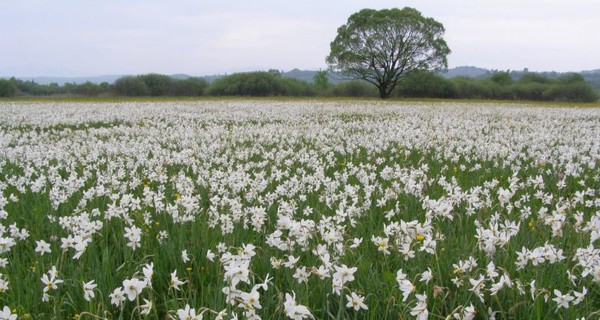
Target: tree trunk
383,94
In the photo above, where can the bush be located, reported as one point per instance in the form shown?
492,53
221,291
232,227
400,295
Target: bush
7,88
157,84
255,84
355,88
190,87
131,86
425,84
298,88
467,88
534,91
572,92
529,77
502,78
321,83
87,89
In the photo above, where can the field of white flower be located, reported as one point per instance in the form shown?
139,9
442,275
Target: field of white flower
300,210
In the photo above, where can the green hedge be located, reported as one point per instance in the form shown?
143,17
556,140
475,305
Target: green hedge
420,84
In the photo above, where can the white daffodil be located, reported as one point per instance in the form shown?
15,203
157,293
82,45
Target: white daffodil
88,290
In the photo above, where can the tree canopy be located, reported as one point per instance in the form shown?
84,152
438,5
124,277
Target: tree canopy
383,46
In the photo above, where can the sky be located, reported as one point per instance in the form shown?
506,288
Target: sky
197,37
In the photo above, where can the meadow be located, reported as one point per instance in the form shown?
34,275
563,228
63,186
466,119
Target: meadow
250,209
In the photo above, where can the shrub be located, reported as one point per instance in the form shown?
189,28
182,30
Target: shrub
502,78
7,88
531,91
355,88
425,84
87,89
131,86
190,87
158,84
256,84
298,88
572,92
467,88
533,77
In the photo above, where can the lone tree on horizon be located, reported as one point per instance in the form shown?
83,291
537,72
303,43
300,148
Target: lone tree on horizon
382,47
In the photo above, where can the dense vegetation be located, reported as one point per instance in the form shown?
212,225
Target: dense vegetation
419,84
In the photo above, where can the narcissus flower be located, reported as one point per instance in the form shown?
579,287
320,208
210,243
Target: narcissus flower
356,302
6,314
88,290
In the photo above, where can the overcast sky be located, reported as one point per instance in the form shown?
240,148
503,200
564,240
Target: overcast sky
198,37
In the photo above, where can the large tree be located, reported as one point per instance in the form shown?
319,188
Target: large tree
383,46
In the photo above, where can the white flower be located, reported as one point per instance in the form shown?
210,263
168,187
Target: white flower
49,280
42,247
355,301
356,242
301,275
579,296
406,286
237,271
134,235
175,282
477,285
80,246
343,274
148,272
469,313
291,262
117,297
562,301
184,256
146,307
6,314
420,309
68,242
4,284
427,276
188,313
250,300
210,256
133,287
491,271
293,310
88,290
264,285
322,272
382,244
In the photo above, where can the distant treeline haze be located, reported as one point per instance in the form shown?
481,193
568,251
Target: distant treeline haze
420,84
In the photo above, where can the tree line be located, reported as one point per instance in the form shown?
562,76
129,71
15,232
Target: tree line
418,84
